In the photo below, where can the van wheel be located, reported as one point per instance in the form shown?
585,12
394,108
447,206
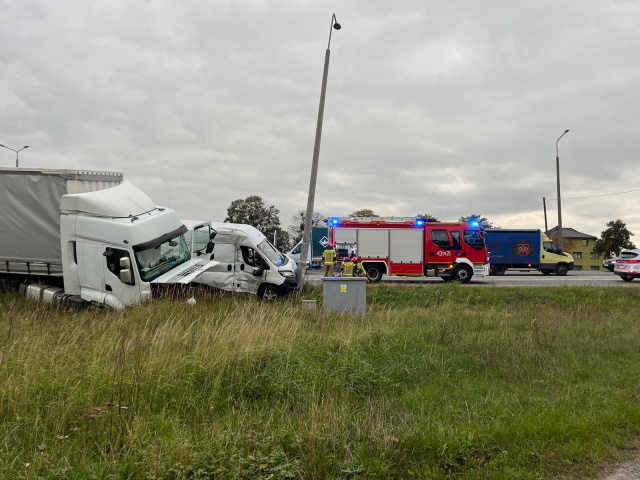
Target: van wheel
268,292
499,270
462,274
374,273
561,270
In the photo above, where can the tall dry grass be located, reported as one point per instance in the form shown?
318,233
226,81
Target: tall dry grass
435,382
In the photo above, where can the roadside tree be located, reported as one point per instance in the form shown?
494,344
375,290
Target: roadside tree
255,212
614,239
296,228
428,216
484,222
365,212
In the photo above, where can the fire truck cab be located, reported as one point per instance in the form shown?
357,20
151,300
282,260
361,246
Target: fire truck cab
412,246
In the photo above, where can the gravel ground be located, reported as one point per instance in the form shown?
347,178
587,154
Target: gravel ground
627,471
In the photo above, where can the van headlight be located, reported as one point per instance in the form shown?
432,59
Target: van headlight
287,273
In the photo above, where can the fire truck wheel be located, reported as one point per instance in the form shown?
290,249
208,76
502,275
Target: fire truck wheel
561,270
374,273
462,274
498,270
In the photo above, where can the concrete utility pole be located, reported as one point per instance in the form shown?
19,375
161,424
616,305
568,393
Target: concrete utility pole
17,151
306,238
560,244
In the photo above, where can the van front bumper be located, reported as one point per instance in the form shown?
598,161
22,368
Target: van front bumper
290,284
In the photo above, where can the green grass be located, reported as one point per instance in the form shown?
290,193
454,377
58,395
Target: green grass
438,381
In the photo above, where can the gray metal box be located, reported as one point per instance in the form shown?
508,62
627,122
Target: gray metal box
345,294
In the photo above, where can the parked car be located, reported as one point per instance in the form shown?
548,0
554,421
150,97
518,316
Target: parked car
627,265
609,264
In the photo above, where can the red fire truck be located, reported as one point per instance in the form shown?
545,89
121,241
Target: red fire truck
412,246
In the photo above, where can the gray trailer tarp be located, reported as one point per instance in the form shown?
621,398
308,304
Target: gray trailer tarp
30,217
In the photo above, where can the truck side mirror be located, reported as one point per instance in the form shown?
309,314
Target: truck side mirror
212,234
125,276
210,246
125,263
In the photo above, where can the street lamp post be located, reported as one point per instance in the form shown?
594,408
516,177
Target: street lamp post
306,238
560,244
26,146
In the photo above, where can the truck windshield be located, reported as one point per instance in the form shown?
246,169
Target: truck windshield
155,260
272,253
551,248
474,239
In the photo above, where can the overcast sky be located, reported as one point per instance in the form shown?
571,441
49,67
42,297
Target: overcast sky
447,108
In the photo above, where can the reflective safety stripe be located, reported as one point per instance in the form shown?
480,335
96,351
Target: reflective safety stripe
347,269
329,257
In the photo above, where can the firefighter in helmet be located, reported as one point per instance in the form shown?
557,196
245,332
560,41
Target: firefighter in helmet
347,267
358,269
329,259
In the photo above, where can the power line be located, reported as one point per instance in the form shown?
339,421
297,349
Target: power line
601,195
516,221
573,198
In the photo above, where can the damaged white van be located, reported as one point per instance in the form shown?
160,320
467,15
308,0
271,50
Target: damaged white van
247,261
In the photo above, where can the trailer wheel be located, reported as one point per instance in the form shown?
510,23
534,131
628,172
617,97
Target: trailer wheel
462,274
499,270
561,270
374,273
268,292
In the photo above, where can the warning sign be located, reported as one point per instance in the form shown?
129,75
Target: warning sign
343,288
324,241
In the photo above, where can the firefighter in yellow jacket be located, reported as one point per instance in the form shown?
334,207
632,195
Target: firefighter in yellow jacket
358,269
347,267
329,259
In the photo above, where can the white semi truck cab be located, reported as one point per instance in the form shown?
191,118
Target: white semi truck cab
107,246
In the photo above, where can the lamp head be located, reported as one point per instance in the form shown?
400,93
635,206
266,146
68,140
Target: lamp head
566,131
337,26
26,146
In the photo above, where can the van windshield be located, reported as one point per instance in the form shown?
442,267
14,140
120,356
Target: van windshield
155,260
272,253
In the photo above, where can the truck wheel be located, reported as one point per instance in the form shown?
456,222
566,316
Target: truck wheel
627,279
499,270
462,274
374,273
268,292
561,270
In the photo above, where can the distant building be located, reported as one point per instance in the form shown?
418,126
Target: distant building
581,246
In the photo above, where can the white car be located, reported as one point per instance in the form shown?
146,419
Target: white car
628,265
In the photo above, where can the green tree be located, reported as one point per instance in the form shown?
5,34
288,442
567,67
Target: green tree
428,216
365,212
296,228
254,211
484,222
283,240
614,239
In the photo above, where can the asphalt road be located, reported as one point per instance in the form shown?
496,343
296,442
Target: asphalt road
514,279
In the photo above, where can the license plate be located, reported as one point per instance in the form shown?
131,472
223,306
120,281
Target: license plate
621,267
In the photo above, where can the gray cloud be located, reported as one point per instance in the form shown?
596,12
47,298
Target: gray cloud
448,108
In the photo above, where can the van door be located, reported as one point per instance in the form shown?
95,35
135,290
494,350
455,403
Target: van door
247,261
